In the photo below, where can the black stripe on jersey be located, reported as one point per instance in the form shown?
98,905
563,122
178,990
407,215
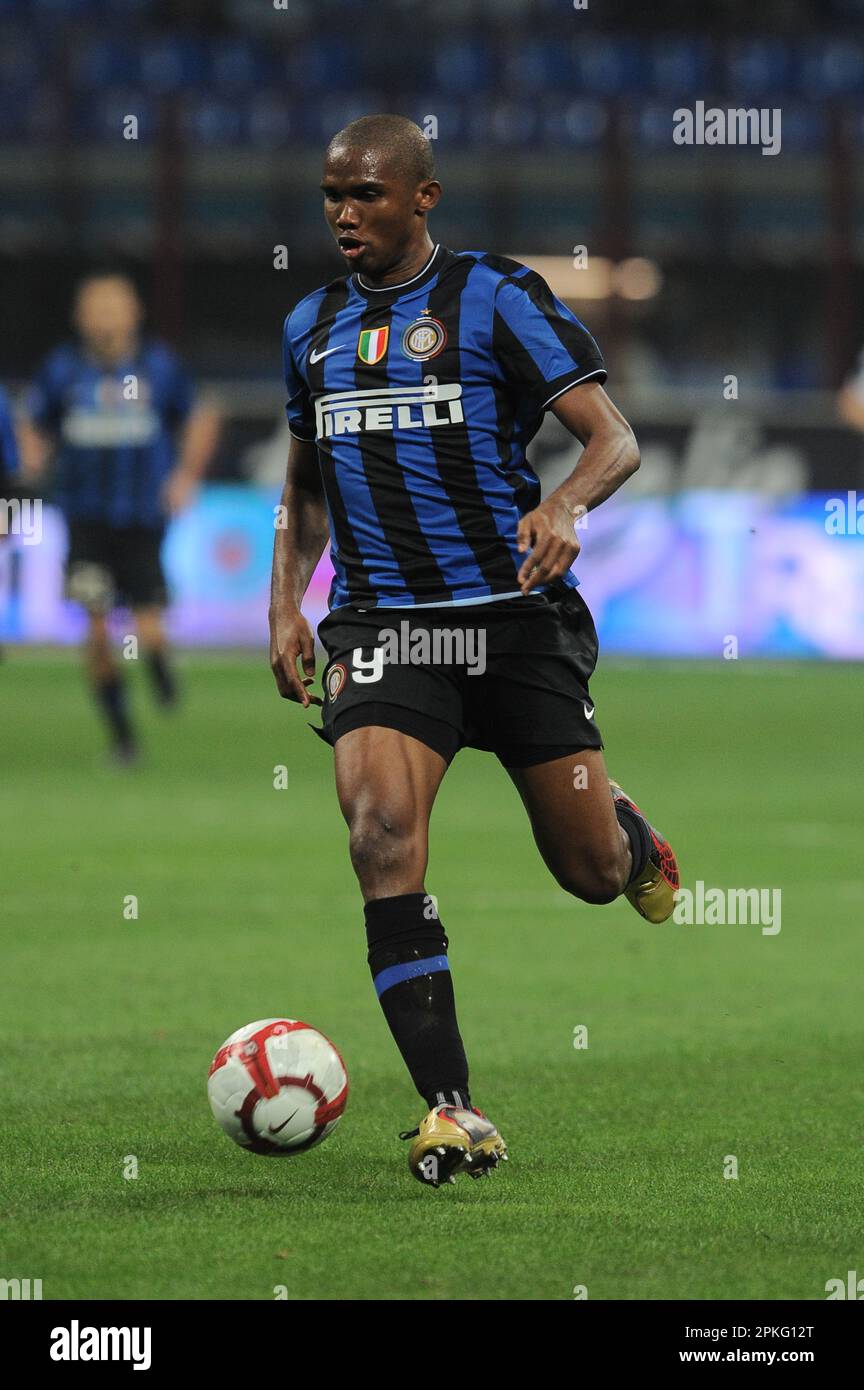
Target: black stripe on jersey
505,344
390,494
503,409
526,494
356,576
453,455
504,265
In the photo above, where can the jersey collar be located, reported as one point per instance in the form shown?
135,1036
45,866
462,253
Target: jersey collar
387,293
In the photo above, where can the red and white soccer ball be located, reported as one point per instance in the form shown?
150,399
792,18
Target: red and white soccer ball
277,1087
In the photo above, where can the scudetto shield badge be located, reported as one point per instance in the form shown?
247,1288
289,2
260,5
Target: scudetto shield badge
424,338
372,345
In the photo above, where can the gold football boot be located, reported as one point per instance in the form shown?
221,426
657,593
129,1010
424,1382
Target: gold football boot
451,1140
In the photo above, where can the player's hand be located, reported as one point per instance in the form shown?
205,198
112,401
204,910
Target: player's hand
179,490
549,535
291,637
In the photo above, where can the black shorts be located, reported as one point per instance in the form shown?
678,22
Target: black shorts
110,565
509,677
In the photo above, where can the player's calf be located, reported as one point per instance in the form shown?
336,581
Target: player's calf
654,877
162,677
575,825
148,620
596,880
110,690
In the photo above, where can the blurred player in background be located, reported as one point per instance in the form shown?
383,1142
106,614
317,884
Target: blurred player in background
110,408
415,384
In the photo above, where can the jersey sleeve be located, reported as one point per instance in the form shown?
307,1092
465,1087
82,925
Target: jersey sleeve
301,416
541,347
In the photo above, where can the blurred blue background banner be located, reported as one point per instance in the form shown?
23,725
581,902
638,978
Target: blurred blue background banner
697,573
720,574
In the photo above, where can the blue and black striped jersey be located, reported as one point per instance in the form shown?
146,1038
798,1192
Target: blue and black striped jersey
115,431
422,399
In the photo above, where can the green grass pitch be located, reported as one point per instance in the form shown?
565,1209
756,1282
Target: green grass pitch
703,1041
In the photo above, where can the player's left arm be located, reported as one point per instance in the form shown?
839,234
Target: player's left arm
609,458
198,440
198,423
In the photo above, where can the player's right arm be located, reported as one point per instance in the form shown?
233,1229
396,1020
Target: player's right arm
302,532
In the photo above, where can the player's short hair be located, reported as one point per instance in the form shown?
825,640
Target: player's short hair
407,148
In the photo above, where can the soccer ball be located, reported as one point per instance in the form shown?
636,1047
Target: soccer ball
277,1087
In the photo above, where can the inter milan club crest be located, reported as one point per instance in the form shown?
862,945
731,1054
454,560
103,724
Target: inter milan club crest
372,345
336,676
423,338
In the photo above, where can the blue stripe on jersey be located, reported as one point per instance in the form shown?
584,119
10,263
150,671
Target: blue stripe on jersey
397,974
376,555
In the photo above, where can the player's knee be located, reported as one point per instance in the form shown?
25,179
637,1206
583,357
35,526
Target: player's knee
382,840
150,629
596,881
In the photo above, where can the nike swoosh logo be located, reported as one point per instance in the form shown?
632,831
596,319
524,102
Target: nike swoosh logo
589,712
283,1124
316,356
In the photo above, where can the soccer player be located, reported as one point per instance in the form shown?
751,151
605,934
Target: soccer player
414,384
110,406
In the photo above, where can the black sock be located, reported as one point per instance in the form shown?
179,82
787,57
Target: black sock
162,676
637,833
111,694
408,960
